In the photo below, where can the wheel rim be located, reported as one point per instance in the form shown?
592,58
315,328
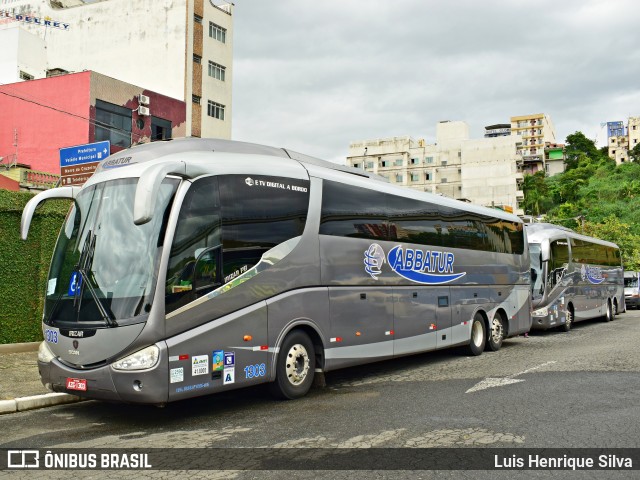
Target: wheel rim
297,366
496,330
476,333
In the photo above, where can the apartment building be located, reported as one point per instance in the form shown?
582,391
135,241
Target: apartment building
485,171
533,132
621,139
179,48
434,168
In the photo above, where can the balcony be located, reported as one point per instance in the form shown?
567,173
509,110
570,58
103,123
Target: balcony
519,195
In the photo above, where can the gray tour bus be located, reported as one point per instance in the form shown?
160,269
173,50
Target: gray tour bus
573,277
198,265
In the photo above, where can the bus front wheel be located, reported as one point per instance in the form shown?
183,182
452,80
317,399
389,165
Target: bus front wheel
478,335
295,367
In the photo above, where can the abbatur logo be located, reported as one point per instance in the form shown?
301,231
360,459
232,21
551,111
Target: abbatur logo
593,274
421,266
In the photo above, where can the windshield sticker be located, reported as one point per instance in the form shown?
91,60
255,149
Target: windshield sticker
592,274
74,284
428,267
200,365
51,286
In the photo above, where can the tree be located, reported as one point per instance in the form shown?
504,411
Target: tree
536,193
613,230
577,144
634,153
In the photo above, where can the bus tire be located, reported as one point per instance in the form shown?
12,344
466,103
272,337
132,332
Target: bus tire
295,367
496,333
568,323
608,316
478,335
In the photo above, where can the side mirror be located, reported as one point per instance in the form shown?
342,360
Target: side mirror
30,207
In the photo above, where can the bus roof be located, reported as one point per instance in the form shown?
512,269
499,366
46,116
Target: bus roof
537,232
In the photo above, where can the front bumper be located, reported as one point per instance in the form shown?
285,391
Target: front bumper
105,383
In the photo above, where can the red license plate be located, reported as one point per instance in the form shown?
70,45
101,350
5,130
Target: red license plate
77,384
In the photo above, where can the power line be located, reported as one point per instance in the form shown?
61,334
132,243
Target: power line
87,119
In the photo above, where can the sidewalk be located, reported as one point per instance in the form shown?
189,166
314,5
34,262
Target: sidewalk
20,386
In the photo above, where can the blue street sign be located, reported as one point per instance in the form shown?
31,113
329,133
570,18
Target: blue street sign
90,152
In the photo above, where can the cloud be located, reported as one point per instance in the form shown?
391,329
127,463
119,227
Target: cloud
315,76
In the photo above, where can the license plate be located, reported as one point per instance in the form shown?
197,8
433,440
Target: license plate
77,384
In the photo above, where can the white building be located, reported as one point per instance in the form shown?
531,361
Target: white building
180,48
485,171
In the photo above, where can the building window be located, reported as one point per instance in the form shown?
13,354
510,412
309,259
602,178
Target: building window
428,159
25,76
370,165
415,161
197,19
444,163
215,110
195,99
398,162
113,123
384,163
444,180
160,129
197,58
216,71
415,177
398,178
356,165
427,176
217,32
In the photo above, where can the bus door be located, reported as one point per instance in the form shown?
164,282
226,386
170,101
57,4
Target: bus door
422,319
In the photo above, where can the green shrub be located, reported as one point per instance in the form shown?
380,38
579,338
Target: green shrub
25,265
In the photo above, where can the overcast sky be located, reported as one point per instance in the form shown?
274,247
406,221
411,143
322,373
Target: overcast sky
315,75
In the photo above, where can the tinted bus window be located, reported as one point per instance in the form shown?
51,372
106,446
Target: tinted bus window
259,213
355,212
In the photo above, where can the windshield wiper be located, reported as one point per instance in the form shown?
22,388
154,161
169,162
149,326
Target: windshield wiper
85,261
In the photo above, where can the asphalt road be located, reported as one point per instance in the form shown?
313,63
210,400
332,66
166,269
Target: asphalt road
549,390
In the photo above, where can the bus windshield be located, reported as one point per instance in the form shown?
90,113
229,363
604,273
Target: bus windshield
537,275
104,266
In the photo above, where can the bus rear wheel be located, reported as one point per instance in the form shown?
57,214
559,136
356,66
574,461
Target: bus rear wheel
496,334
478,335
568,321
295,367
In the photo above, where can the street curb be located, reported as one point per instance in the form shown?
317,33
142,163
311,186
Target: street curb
36,401
19,347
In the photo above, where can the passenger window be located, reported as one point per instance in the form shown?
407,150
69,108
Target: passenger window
353,212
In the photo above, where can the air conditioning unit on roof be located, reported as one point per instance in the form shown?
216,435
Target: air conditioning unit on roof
143,110
143,99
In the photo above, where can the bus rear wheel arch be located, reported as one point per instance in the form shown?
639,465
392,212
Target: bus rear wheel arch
295,366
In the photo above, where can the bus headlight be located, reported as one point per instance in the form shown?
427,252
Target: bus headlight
541,312
141,360
45,355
